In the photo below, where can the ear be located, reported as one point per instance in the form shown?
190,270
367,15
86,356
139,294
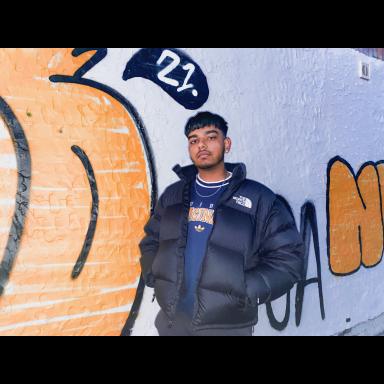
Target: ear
228,145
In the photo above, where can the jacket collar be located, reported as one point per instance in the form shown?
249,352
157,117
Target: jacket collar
189,173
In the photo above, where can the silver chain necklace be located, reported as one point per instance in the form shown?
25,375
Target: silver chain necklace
221,186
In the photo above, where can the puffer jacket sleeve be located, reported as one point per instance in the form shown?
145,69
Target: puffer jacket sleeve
149,245
281,256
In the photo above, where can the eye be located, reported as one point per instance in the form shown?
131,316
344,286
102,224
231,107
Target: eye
212,137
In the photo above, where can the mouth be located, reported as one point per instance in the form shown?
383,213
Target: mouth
204,154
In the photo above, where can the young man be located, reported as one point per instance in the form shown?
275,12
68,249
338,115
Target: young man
218,245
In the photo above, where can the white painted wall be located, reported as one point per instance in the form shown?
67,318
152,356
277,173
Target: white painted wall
290,110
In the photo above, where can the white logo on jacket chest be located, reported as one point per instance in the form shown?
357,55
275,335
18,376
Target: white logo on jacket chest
243,201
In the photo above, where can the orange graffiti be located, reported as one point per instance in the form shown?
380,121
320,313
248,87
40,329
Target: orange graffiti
41,298
355,216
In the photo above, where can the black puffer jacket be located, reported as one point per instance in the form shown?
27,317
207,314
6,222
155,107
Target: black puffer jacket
254,254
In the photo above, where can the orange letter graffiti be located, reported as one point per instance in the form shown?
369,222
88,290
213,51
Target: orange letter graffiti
355,221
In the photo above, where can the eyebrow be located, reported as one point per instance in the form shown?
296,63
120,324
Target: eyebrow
206,133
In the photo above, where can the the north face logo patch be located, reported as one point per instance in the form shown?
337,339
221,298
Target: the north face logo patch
244,201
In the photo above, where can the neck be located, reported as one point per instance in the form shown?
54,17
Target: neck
214,174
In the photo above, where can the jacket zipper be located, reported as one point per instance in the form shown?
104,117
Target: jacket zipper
223,198
196,309
180,283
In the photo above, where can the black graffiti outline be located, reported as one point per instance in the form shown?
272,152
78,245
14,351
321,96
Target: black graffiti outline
308,228
99,55
78,78
356,178
94,212
275,324
24,170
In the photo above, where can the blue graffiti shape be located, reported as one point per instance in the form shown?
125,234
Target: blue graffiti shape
174,71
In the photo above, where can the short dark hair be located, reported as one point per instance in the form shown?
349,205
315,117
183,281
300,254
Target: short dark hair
205,119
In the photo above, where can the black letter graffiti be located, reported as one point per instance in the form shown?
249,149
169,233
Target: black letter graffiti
94,212
23,191
308,229
275,324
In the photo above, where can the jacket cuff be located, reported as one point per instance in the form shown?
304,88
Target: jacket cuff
259,289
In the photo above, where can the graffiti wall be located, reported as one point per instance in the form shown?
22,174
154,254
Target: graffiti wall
73,156
88,140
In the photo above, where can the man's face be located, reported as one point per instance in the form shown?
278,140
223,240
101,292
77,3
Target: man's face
207,147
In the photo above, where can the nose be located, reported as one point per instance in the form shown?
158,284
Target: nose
202,145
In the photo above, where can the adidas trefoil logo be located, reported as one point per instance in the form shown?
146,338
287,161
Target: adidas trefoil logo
199,228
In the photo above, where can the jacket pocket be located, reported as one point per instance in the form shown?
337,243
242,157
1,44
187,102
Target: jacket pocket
165,293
